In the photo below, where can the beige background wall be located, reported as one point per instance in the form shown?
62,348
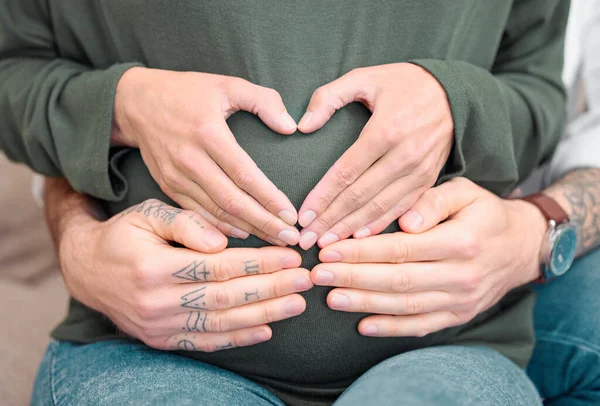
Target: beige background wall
32,297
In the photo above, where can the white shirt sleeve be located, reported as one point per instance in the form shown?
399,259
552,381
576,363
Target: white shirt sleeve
580,146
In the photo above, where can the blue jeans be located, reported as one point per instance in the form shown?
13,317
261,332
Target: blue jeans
565,366
566,362
125,373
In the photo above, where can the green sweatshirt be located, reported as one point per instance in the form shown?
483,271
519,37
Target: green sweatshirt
499,61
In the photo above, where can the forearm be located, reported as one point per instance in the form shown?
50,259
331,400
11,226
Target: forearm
578,193
65,209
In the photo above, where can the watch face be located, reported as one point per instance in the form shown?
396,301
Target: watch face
564,249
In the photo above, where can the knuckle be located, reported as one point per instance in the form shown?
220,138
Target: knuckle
142,273
348,279
422,332
401,282
267,314
437,201
157,343
243,179
321,95
323,223
209,132
413,306
378,208
147,309
346,175
268,225
273,95
354,197
467,244
223,270
219,324
397,252
223,298
389,137
232,203
469,283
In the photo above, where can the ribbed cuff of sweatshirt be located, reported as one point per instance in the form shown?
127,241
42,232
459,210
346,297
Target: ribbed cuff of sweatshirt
86,157
458,99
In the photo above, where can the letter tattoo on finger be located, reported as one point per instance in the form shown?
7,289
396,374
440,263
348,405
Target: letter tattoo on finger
251,296
251,267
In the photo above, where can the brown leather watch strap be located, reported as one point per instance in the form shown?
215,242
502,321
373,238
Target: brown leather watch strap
548,206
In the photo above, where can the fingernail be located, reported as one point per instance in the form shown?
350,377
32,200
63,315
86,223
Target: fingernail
293,307
288,217
362,233
307,217
213,238
288,121
324,277
328,238
412,219
289,236
305,121
290,262
339,301
308,240
303,283
261,336
237,233
369,330
331,256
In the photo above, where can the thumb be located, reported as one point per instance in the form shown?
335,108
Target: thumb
331,97
185,227
438,204
264,102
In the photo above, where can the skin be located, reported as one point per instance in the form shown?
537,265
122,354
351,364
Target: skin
200,298
439,275
397,157
205,167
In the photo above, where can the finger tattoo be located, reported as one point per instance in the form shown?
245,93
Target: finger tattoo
195,272
194,300
251,267
251,296
196,322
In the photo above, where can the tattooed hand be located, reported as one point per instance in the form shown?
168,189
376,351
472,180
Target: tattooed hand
199,298
177,120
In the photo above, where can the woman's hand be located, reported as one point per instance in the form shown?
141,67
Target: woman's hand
444,274
177,120
199,298
397,157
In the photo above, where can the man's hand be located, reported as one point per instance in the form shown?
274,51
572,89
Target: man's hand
177,120
442,275
199,298
397,157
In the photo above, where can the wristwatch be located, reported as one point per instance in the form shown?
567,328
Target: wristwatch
560,245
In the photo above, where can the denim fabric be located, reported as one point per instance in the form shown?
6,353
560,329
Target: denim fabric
566,362
125,373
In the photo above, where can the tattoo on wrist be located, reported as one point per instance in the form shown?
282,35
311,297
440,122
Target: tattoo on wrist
196,322
194,299
251,296
579,191
251,267
195,272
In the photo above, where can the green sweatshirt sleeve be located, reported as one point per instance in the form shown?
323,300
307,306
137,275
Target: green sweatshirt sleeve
54,112
509,120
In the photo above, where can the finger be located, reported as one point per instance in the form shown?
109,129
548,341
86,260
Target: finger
239,291
438,204
226,228
254,314
243,171
365,191
180,265
396,198
264,102
364,301
181,226
346,170
442,242
390,278
231,199
331,97
391,216
208,209
407,326
211,342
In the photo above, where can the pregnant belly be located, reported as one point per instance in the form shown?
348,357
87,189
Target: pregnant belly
320,346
